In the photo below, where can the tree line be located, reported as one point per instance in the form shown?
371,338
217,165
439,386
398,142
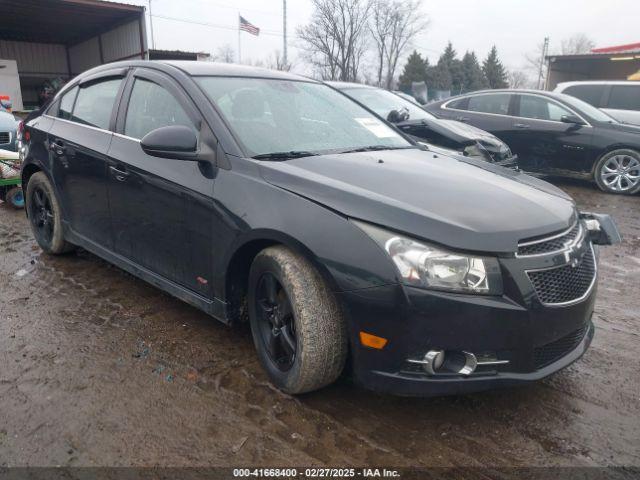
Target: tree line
453,74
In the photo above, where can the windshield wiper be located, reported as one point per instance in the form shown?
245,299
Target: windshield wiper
373,148
284,155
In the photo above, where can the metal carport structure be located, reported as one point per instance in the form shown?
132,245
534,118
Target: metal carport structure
52,39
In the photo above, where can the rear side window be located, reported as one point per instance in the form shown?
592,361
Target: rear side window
625,97
494,103
94,104
459,104
66,104
150,107
588,93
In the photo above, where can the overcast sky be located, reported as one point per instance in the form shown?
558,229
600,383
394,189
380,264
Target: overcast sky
514,26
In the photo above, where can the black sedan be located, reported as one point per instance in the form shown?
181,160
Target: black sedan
553,133
261,195
440,135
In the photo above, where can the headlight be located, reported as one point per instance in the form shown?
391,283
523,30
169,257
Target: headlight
427,266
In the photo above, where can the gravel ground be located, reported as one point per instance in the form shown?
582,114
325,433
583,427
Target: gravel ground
98,368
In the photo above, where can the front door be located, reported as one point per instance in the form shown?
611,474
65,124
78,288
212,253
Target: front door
160,208
78,143
543,142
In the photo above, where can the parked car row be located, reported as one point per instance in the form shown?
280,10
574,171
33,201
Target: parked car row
553,133
254,193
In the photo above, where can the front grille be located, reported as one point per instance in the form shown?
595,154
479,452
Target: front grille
551,244
5,137
565,284
549,353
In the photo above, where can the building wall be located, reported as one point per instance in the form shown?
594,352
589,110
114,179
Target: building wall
43,58
597,68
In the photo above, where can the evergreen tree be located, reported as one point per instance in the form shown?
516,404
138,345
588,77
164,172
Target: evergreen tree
449,61
473,78
440,76
415,70
494,71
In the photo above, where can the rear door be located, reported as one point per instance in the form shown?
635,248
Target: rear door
487,111
543,142
78,142
161,209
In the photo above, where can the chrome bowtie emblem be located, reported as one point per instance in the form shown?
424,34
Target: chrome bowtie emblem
570,254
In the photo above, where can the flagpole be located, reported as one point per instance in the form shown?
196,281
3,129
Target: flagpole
239,31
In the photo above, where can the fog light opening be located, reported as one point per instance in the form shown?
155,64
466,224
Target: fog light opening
441,362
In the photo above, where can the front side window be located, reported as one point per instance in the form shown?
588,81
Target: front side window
94,104
588,93
625,97
540,108
497,103
273,115
66,104
150,107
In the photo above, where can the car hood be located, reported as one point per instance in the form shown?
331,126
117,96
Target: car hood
459,202
7,121
460,133
622,127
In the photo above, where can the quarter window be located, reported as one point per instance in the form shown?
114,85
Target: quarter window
588,93
150,107
497,103
625,97
66,104
540,108
95,103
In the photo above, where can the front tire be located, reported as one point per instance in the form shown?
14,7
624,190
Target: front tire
298,328
45,215
618,172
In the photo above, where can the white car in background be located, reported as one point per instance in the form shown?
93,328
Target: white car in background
620,99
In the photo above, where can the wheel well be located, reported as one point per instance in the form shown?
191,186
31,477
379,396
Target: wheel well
27,172
237,278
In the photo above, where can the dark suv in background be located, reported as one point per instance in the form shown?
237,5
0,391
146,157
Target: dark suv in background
262,194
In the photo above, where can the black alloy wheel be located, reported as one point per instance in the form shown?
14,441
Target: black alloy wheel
276,322
41,215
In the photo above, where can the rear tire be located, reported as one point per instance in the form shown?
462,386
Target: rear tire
45,215
618,172
303,345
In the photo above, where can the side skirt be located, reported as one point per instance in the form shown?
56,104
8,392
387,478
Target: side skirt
216,307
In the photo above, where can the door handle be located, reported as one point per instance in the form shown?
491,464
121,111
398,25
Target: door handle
118,174
521,125
57,147
462,119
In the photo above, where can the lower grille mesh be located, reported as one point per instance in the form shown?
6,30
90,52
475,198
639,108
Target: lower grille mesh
564,284
549,353
5,137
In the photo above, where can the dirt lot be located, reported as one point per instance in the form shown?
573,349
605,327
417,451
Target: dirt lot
99,368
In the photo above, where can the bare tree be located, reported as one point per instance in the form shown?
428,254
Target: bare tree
394,24
335,39
224,54
576,44
276,62
518,79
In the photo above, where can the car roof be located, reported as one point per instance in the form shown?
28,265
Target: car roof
196,68
348,85
530,91
596,82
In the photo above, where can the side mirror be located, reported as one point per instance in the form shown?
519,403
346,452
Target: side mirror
573,119
397,116
176,142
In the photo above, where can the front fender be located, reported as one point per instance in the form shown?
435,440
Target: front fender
340,249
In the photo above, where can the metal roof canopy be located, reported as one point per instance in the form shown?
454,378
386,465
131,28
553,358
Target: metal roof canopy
64,22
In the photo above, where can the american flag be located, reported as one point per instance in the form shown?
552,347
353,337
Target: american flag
248,27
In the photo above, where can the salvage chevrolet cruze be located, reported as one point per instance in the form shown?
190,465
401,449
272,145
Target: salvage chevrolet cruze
263,196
